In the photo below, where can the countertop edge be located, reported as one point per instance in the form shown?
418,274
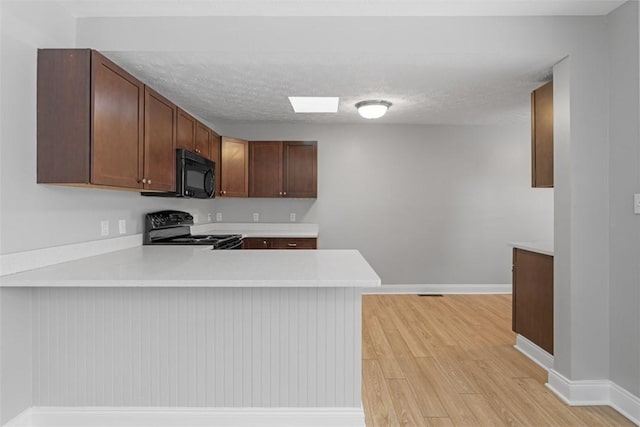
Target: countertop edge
542,247
195,284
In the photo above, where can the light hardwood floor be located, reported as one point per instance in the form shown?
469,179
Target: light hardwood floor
450,361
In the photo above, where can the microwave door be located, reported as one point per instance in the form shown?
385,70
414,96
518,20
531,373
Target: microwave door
200,182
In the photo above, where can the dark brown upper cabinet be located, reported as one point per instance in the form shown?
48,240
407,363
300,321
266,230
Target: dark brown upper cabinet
159,142
542,136
90,121
185,131
283,169
265,169
234,164
202,140
301,169
214,155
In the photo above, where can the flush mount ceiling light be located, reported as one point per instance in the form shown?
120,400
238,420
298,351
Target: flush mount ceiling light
373,109
314,104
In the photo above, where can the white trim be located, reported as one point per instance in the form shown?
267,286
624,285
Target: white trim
625,403
534,352
579,393
440,289
29,260
595,392
191,417
23,419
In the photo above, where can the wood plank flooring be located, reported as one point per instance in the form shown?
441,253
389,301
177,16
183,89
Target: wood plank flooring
450,361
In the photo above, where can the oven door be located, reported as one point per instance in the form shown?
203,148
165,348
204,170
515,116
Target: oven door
196,177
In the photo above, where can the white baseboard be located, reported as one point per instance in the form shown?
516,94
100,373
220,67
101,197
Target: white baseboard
23,419
29,260
533,352
625,403
440,289
595,392
189,417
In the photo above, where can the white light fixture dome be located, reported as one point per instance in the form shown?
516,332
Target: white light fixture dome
373,109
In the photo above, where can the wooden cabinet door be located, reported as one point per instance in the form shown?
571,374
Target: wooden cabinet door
185,131
265,169
300,169
203,136
117,118
533,297
293,243
256,243
214,155
542,136
159,142
235,168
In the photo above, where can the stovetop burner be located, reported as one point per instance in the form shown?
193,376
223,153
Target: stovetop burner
173,228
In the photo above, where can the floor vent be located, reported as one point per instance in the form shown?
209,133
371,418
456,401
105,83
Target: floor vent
429,295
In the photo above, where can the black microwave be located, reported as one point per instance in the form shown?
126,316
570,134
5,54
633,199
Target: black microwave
195,177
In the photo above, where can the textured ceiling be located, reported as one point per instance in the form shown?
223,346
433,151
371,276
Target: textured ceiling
435,90
260,65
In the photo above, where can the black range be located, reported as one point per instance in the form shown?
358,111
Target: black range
174,228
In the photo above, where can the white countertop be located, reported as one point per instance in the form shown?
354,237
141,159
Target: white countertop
188,266
259,229
542,247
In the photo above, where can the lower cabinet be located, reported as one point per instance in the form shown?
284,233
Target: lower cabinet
279,243
533,297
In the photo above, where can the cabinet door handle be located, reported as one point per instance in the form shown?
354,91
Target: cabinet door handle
281,193
149,182
292,245
144,180
285,193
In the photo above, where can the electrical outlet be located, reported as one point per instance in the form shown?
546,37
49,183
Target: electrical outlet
195,218
209,217
292,217
104,228
636,204
219,216
256,217
122,226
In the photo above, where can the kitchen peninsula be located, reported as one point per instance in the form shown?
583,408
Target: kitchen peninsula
186,327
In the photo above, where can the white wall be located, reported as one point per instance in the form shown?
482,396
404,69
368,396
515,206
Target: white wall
76,213
424,204
20,30
624,176
38,216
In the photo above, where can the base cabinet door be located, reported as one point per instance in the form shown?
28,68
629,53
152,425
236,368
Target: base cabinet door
300,243
533,297
279,243
256,243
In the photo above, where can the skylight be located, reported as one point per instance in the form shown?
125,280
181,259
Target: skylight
314,104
